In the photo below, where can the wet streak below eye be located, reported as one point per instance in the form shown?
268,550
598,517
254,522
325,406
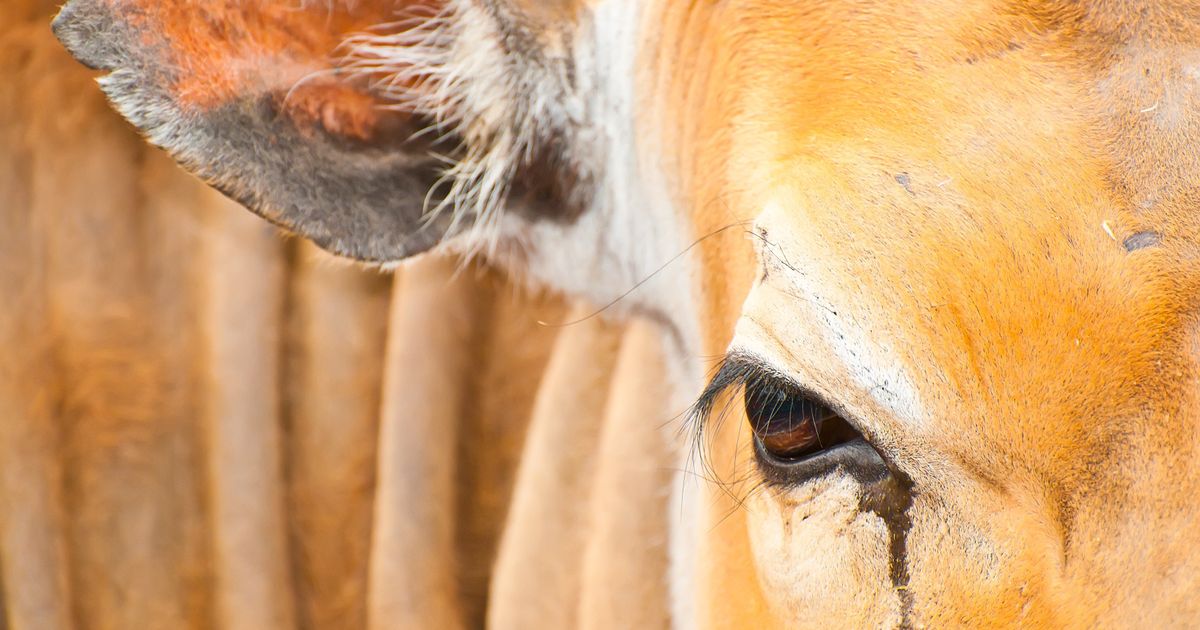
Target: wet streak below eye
886,492
889,497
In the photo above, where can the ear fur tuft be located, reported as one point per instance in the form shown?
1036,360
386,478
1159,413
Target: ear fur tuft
509,110
264,117
376,128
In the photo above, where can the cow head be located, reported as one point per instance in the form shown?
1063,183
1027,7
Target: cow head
948,249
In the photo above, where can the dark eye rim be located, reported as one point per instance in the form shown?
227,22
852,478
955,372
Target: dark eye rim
834,433
858,457
853,451
768,399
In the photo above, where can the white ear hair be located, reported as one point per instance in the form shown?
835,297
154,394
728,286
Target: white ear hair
536,107
454,67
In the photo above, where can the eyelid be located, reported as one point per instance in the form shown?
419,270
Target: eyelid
733,371
736,369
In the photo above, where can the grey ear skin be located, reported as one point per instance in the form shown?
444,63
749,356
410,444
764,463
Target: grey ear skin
358,196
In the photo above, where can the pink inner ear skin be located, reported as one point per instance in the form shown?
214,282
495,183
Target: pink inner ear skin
226,50
336,108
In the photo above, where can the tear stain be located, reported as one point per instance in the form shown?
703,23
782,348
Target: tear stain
1140,240
890,498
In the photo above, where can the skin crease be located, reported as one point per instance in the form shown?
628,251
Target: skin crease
937,208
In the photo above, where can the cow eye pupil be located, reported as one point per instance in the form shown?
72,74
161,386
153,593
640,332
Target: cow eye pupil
789,425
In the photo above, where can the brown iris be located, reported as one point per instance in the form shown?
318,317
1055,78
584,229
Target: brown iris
790,425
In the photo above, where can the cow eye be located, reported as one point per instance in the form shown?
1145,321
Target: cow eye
789,425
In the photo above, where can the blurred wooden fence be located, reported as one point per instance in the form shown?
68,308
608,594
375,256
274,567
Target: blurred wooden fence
204,425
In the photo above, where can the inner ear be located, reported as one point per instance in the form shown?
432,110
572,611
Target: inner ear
253,97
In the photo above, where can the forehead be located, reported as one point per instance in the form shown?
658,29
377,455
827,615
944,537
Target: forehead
958,139
995,198
1022,94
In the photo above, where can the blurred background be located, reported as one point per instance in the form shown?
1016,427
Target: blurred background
206,425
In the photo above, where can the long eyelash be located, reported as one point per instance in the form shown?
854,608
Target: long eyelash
734,373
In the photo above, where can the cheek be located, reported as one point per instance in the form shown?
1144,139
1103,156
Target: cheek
820,560
972,558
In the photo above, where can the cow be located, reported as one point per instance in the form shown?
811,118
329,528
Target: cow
945,250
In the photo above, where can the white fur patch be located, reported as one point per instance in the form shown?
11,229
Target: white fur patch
640,243
814,287
819,557
451,67
632,244
629,251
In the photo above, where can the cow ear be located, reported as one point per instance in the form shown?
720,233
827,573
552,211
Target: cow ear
254,97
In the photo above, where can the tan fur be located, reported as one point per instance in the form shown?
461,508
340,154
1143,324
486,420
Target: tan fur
133,343
918,210
531,587
129,447
34,564
626,557
415,513
509,341
1053,367
242,313
336,331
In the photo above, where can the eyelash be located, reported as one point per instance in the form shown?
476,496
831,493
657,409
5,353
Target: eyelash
731,375
729,380
737,376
